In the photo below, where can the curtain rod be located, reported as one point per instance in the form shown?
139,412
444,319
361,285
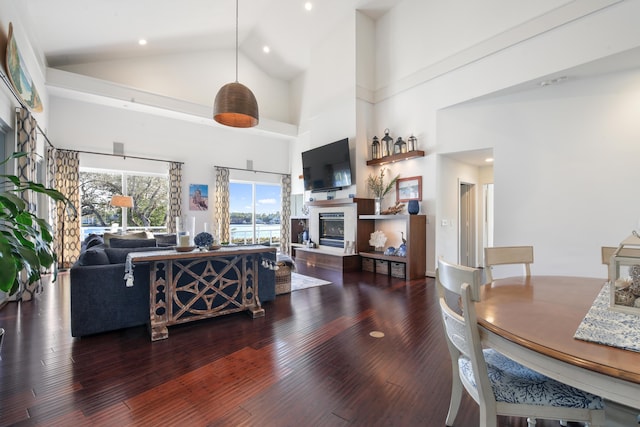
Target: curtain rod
124,156
251,170
7,83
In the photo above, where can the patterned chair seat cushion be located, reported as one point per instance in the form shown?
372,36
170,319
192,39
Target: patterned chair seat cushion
513,383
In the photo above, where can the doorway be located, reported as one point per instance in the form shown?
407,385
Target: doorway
467,225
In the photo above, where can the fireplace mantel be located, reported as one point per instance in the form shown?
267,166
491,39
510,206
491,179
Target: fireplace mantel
360,232
340,202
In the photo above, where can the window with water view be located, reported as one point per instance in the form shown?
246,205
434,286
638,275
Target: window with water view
255,213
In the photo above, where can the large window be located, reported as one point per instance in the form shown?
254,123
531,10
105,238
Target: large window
150,200
255,213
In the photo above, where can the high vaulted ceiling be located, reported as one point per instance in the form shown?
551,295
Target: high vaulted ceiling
79,31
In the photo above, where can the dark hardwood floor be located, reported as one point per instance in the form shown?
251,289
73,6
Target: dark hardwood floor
309,362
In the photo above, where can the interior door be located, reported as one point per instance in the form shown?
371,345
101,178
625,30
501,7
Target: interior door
467,225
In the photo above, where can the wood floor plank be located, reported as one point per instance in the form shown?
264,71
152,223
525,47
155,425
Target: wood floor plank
310,361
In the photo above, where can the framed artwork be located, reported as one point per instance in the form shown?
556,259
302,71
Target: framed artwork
19,76
409,189
198,197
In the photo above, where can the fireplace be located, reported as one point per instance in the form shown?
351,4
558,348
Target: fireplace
331,230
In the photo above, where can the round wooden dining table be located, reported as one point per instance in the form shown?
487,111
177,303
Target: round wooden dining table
533,320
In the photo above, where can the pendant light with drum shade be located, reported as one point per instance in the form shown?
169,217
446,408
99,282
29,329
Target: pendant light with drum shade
235,105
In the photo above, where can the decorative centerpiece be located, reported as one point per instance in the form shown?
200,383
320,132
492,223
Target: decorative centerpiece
377,240
624,271
205,241
379,188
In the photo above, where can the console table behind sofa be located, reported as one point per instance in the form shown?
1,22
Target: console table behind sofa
188,286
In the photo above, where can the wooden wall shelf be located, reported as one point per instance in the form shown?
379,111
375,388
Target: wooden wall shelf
396,157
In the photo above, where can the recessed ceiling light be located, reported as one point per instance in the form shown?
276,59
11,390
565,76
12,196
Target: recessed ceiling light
142,42
266,49
489,160
308,5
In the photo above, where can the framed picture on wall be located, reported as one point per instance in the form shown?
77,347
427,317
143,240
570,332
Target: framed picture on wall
409,189
198,197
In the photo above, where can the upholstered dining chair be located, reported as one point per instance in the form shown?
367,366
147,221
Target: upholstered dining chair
498,384
507,255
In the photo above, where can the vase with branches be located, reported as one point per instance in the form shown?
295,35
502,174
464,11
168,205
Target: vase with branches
377,186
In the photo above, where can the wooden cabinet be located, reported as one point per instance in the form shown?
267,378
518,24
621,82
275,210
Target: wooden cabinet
414,265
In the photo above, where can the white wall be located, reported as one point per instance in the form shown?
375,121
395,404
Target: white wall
326,96
90,127
565,167
194,77
413,99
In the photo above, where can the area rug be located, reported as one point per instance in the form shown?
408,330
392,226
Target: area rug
300,281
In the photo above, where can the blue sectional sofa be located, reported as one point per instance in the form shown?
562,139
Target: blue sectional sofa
100,299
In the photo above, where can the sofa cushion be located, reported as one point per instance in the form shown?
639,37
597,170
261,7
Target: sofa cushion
131,243
137,235
119,255
93,257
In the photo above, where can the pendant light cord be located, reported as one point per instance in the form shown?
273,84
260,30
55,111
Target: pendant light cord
236,41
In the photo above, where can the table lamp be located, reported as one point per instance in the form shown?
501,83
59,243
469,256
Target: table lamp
120,201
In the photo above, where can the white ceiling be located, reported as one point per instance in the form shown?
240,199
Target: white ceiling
78,31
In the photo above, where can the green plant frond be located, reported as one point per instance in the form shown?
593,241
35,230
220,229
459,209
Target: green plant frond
14,155
8,269
25,218
12,202
45,229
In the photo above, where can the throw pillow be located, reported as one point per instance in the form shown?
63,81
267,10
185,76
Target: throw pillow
94,257
132,243
94,240
137,235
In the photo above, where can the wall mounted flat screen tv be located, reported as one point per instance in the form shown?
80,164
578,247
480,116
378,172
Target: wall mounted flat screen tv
328,167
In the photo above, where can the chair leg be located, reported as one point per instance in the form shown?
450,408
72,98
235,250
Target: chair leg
456,398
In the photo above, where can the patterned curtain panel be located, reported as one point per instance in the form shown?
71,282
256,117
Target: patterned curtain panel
175,195
26,127
25,166
285,214
51,183
223,218
67,233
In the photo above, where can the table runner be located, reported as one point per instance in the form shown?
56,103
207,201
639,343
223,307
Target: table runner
605,326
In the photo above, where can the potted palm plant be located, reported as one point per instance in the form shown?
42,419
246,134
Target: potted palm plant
25,240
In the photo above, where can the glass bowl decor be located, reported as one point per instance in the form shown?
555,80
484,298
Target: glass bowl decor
624,273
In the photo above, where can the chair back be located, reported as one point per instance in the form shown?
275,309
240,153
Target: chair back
508,255
463,336
608,251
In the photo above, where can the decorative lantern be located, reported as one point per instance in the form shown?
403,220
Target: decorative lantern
412,143
400,146
387,144
375,148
